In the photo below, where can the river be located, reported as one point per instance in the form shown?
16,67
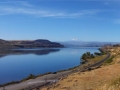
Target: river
18,64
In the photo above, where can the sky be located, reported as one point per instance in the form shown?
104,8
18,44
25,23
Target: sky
60,20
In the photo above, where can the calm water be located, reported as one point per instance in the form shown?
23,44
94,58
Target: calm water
18,64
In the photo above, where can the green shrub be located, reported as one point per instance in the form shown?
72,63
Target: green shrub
110,60
87,55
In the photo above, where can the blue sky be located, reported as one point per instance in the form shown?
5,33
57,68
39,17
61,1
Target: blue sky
60,20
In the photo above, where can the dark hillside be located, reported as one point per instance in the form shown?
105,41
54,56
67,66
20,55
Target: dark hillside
28,44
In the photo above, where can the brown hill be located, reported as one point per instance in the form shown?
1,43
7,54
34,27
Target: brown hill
40,43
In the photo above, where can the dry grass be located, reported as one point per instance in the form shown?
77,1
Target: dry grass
114,85
108,87
91,80
97,58
104,78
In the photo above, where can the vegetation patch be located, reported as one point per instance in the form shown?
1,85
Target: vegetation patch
87,56
116,82
31,76
97,58
102,52
110,60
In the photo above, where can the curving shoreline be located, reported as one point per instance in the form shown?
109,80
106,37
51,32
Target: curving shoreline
44,79
31,76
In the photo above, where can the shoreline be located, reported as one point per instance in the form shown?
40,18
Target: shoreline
36,76
50,77
40,80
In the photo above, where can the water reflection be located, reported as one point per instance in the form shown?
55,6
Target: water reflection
29,51
18,64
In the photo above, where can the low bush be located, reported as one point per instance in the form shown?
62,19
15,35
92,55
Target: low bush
110,60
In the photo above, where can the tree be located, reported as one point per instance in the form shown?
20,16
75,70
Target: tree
97,53
87,56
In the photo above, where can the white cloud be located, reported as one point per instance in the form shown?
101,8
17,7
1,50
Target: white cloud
18,3
23,7
46,13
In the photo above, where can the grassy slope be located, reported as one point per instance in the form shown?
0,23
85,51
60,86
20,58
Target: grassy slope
105,78
85,80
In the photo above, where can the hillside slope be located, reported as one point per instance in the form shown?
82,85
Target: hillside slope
107,77
28,44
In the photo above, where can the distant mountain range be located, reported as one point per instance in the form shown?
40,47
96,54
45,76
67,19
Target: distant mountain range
4,44
86,44
42,43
